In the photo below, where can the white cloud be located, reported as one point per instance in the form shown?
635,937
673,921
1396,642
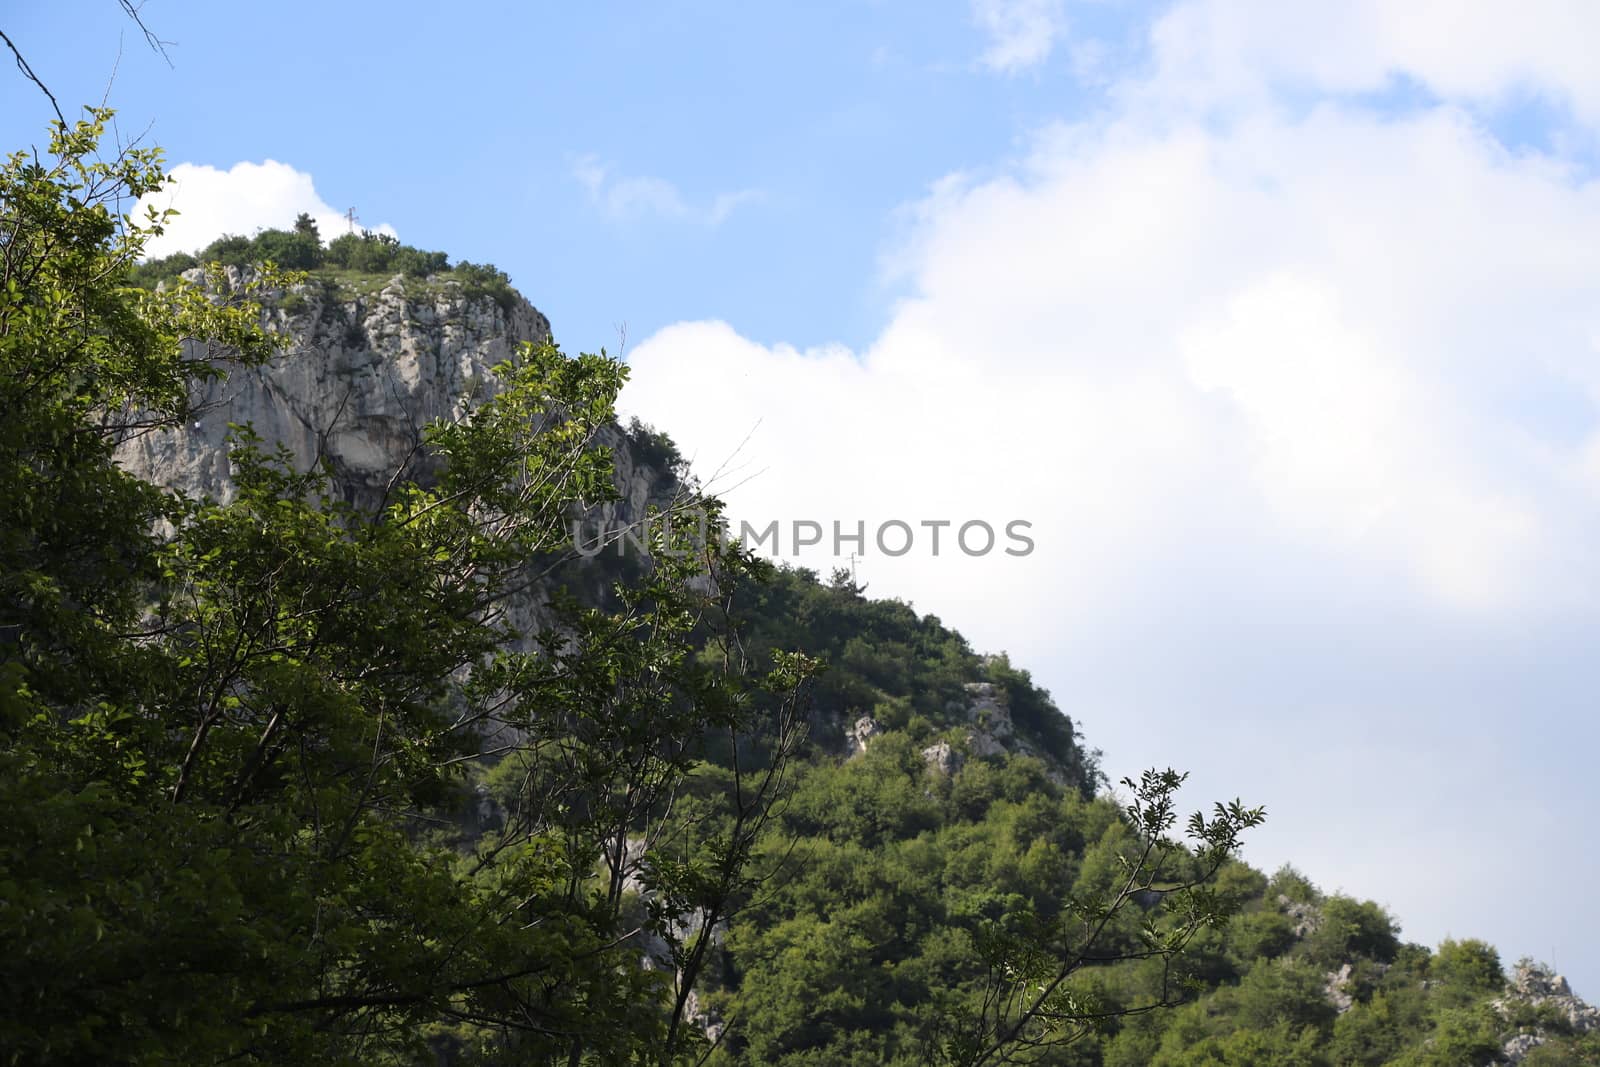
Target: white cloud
241,200
1208,50
1022,33
629,198
1330,305
1304,408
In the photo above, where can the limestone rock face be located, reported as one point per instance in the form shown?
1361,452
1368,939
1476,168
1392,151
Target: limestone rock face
1307,918
990,719
1336,987
357,380
992,733
1517,1047
861,734
708,1019
941,758
988,711
1536,985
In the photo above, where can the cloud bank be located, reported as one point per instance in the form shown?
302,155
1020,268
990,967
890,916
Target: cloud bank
1300,393
243,199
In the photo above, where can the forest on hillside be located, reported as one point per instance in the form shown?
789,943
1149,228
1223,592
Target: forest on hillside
286,782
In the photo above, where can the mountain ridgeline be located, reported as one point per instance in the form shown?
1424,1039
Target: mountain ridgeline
938,795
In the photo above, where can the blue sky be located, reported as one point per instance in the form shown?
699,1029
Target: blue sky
468,131
1278,322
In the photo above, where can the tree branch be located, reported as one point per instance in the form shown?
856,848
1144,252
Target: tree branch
22,65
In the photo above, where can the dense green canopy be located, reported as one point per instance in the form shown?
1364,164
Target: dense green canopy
242,744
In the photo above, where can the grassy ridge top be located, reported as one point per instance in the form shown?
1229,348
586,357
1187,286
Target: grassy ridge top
354,260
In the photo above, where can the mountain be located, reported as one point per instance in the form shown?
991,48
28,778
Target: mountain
940,794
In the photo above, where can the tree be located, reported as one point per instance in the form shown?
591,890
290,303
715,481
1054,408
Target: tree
83,363
295,249
234,733
237,739
130,9
1031,1002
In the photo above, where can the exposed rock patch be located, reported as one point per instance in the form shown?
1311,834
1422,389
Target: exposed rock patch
1537,986
1336,987
942,758
356,383
1307,917
860,734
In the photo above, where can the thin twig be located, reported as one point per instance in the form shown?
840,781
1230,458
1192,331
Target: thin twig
22,65
156,44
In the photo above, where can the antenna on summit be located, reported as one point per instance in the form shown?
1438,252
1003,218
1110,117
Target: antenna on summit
350,216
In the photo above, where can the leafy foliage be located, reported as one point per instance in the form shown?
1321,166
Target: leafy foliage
245,750
301,249
247,726
236,734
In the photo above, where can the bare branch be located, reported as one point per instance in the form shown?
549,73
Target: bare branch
156,44
22,65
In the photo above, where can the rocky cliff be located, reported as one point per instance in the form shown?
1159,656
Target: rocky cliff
367,362
364,367
362,371
1543,1006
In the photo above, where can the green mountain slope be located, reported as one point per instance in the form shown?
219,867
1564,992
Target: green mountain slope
944,790
318,770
